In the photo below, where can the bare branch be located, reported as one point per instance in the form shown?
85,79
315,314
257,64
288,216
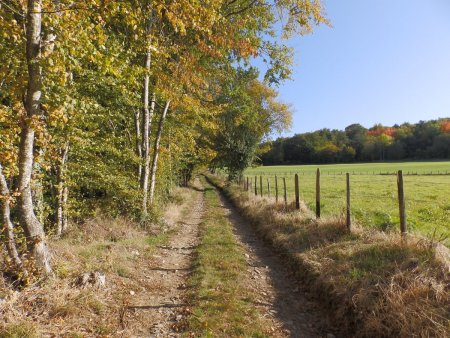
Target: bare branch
12,9
242,10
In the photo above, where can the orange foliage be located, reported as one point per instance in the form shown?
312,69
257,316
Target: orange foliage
382,131
445,126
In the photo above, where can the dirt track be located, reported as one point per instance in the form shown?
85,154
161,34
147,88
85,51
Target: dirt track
164,303
280,298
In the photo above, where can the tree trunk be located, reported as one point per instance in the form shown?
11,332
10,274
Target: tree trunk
156,151
138,150
33,229
8,227
64,209
147,116
147,112
61,184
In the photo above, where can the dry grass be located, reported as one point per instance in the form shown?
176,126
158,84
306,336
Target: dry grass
117,247
375,284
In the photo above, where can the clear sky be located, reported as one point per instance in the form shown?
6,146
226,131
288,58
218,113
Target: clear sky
383,61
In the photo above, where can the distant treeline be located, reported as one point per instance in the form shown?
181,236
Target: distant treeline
424,140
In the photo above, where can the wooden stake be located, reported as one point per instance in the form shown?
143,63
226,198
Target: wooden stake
260,186
246,188
349,221
297,193
318,193
256,185
285,192
276,189
401,203
268,187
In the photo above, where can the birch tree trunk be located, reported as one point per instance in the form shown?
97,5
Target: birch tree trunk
148,115
8,227
33,229
61,184
138,150
156,151
64,209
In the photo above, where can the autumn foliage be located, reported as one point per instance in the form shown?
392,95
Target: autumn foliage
83,88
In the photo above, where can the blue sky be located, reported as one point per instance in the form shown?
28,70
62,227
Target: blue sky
383,61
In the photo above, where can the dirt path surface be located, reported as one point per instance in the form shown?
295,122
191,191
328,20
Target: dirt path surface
164,304
281,298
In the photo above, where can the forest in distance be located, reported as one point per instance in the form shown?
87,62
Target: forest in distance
424,140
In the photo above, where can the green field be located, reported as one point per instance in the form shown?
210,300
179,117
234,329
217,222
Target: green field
374,195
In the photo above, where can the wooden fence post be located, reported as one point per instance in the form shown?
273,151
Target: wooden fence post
268,187
349,221
285,192
246,187
276,189
401,203
318,193
260,186
297,193
256,185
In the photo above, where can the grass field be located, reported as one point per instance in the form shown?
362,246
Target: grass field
374,196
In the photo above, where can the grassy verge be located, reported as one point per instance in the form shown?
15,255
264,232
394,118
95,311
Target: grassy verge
375,285
222,305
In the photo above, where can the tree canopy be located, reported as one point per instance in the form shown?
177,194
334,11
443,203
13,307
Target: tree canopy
424,140
104,105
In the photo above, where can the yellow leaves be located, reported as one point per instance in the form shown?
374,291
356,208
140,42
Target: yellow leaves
57,117
9,131
177,24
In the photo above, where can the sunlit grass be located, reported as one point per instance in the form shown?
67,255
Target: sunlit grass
374,197
222,303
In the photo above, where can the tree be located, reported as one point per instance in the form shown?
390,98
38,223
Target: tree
33,229
357,136
251,113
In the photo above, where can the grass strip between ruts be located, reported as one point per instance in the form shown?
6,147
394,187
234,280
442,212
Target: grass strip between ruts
222,305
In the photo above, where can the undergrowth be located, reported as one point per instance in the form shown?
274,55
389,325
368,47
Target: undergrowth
375,284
